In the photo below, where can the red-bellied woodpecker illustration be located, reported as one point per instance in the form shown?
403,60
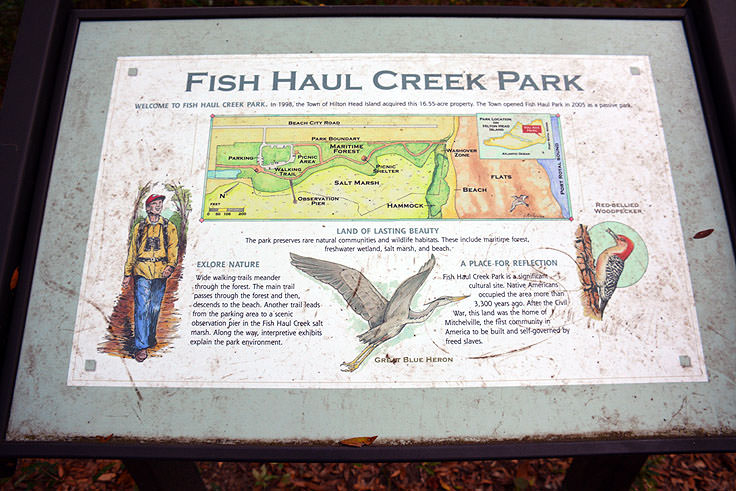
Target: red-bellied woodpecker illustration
599,278
609,266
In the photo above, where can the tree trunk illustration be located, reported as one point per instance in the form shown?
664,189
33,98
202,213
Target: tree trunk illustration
586,272
142,192
182,200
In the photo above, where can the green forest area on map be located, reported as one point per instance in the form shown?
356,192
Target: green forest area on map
376,167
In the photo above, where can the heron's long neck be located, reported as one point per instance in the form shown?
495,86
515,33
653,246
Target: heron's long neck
423,315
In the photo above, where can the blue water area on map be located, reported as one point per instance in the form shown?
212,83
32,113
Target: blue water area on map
555,169
223,174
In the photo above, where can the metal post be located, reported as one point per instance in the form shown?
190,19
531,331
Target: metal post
603,472
162,475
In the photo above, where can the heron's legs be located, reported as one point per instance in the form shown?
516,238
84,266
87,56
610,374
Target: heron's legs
353,365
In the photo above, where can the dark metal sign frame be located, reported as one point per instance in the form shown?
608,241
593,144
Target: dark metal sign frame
29,127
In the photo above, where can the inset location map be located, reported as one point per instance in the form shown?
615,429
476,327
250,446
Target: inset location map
386,167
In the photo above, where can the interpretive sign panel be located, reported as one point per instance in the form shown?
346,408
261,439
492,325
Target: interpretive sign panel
421,220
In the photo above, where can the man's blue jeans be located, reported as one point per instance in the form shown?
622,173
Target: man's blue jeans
148,297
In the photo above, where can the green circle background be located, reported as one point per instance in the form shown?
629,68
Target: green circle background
636,264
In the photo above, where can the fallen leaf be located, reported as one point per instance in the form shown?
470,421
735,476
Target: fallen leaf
14,279
107,477
104,439
359,441
703,234
525,472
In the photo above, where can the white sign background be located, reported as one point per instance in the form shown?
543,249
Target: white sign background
613,155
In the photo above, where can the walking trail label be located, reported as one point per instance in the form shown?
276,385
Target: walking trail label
386,167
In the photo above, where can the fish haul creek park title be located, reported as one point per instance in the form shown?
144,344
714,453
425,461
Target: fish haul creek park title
382,80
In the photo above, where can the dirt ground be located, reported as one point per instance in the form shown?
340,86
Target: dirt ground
670,472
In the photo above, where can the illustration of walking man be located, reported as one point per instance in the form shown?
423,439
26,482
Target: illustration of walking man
152,256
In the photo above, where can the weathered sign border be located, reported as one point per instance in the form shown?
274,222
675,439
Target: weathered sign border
31,119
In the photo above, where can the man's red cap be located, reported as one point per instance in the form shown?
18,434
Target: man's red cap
154,197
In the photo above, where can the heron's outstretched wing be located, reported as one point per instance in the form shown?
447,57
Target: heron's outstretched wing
401,300
358,292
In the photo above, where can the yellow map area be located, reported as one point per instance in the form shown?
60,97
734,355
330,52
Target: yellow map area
328,167
370,167
520,136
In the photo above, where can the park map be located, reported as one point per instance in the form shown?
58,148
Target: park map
485,166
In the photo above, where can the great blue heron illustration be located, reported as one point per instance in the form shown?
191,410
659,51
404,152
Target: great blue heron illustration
386,318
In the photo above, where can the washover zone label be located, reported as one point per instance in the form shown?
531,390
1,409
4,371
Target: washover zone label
386,167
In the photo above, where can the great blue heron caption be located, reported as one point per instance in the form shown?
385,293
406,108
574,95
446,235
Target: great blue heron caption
386,318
